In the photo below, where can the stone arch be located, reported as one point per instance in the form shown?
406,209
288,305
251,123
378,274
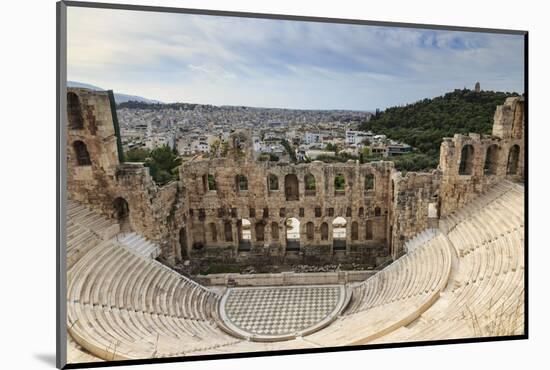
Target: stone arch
324,231
241,183
228,231
354,231
310,231
198,236
121,212
339,184
491,160
183,242
339,225
292,229
466,166
81,153
513,160
213,232
272,182
275,232
244,234
291,187
259,230
208,183
369,182
309,184
74,111
369,232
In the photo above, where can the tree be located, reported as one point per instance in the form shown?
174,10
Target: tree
136,155
289,149
214,149
330,147
163,164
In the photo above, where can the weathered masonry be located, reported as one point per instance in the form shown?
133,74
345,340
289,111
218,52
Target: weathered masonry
238,206
236,209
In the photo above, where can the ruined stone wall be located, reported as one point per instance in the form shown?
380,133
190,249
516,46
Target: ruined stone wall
415,207
95,130
191,220
100,179
211,210
490,158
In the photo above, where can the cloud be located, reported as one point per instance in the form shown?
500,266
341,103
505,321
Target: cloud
260,62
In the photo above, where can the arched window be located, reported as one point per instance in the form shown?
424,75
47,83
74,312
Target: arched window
244,234
198,234
339,184
491,160
309,182
259,230
272,182
228,231
310,230
369,182
74,112
377,211
513,160
361,211
211,183
339,233
214,232
291,187
121,209
324,231
369,234
354,231
466,160
275,231
81,153
241,183
292,234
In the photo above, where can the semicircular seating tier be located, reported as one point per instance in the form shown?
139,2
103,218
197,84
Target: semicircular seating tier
464,281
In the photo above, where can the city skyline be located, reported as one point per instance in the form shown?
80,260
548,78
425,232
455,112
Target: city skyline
282,64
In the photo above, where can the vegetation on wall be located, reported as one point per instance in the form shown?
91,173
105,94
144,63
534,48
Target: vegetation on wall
289,149
162,162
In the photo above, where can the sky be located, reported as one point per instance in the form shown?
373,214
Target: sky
279,63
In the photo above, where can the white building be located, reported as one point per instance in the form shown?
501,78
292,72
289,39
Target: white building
158,140
313,138
356,137
202,147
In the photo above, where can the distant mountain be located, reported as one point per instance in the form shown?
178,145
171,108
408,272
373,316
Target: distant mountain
119,98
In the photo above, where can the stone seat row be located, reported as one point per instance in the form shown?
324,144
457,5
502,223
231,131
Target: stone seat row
479,203
487,296
122,305
423,270
502,216
100,225
79,241
112,276
126,334
420,239
139,244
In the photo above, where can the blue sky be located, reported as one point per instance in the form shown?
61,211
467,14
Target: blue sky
276,63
